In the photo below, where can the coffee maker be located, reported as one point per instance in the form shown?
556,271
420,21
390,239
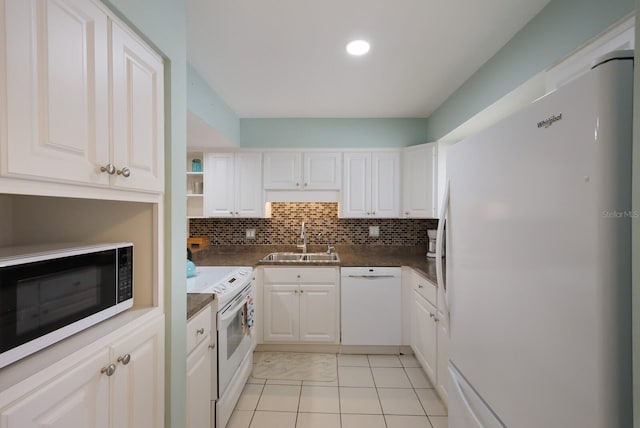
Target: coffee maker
431,248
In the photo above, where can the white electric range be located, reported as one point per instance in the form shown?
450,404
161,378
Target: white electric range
235,293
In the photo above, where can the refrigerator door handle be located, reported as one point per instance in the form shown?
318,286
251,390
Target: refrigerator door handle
444,210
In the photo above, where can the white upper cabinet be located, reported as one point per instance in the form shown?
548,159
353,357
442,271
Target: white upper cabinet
138,113
302,171
371,186
233,185
322,171
420,167
57,100
58,123
282,170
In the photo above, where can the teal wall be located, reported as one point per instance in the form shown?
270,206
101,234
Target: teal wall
208,106
561,27
338,133
163,24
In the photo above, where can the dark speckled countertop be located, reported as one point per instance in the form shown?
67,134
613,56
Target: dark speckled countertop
350,255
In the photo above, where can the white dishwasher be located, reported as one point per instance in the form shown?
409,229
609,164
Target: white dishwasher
371,305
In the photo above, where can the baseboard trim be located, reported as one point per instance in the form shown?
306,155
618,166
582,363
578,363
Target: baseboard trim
334,349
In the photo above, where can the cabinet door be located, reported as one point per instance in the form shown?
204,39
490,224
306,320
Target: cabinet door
281,313
420,181
322,171
283,170
219,185
199,386
137,392
424,335
248,185
443,358
319,319
138,113
57,84
385,185
356,188
77,398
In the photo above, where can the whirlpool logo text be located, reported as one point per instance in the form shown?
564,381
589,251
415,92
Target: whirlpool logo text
550,121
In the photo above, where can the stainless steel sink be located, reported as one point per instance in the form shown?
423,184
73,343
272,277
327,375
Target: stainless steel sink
301,258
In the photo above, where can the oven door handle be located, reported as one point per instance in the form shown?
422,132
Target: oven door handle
230,312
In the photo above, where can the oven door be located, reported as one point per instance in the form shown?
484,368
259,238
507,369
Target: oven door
234,337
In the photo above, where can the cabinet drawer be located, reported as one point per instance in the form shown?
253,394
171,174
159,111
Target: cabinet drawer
198,328
425,288
300,275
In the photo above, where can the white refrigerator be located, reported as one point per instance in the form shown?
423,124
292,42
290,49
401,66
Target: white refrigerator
538,261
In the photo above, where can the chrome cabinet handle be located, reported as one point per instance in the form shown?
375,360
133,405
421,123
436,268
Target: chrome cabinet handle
297,184
302,291
125,172
212,346
431,315
108,168
109,370
420,286
124,359
306,184
407,213
295,291
200,331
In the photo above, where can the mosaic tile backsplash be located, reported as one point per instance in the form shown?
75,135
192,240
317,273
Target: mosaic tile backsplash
322,224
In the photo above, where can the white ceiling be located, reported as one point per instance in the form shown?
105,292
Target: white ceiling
286,58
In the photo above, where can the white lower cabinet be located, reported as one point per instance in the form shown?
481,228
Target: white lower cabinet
429,330
442,374
118,386
424,341
201,369
199,386
301,305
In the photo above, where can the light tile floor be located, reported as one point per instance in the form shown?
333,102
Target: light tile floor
372,391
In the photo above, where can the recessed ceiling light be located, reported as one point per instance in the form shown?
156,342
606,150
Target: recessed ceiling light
358,47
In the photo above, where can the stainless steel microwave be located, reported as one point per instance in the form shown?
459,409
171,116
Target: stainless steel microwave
50,292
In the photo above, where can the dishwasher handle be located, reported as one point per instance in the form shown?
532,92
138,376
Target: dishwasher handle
371,276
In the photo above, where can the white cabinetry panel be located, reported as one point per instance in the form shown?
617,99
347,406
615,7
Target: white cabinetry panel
302,170
282,170
301,305
120,384
233,185
420,181
371,186
78,398
138,111
84,98
56,90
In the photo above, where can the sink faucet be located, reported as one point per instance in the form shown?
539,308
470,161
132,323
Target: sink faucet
330,248
303,237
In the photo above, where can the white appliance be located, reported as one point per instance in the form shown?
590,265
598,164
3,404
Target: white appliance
371,306
539,261
431,249
52,291
235,292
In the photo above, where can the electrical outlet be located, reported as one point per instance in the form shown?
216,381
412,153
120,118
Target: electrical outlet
374,231
251,233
